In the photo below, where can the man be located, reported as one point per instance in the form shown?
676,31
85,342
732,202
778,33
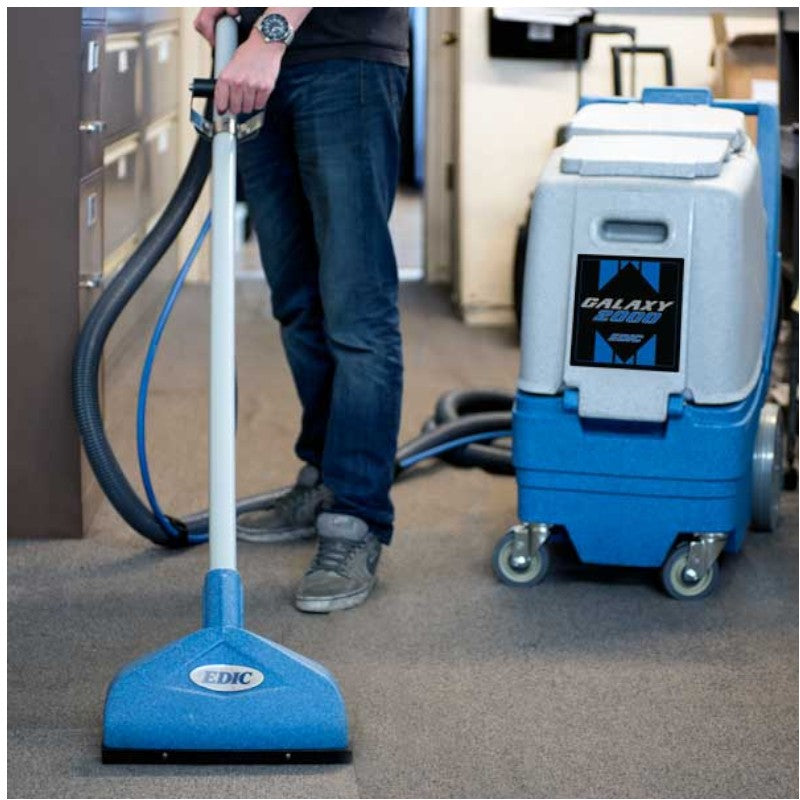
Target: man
320,180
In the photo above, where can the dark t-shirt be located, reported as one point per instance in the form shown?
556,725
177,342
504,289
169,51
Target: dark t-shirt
374,34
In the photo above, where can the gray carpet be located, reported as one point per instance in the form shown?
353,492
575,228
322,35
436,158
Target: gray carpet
592,684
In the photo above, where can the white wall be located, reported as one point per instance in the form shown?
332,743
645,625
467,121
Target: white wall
509,113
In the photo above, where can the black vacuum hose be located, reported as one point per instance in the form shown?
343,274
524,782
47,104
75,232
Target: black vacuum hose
463,403
461,414
88,354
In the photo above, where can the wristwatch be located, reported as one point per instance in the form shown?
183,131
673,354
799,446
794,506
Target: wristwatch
275,28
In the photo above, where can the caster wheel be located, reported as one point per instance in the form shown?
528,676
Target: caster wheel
528,575
767,481
676,584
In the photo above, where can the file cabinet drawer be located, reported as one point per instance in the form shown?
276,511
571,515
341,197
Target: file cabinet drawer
120,89
161,63
161,146
91,124
90,239
122,168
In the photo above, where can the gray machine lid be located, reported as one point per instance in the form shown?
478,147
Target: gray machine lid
661,119
644,156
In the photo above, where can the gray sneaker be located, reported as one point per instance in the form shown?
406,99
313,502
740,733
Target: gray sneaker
342,573
291,517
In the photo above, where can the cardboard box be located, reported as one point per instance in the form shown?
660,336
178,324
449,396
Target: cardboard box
745,67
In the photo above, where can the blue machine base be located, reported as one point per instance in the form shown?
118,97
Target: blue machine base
224,695
625,492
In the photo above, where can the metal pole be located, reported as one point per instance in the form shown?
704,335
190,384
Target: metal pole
221,413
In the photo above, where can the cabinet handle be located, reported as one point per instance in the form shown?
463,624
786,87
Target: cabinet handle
92,126
93,280
91,209
93,56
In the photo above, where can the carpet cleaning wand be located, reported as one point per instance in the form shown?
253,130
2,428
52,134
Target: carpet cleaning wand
223,694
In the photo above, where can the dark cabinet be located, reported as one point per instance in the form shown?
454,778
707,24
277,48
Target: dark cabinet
92,158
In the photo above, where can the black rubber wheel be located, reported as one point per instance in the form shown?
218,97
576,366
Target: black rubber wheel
673,580
534,573
768,463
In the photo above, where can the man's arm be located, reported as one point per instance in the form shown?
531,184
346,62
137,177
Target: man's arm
248,80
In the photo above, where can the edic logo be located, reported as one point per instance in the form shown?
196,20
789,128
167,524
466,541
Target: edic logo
226,677
627,313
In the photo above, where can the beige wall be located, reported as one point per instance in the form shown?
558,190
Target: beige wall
509,113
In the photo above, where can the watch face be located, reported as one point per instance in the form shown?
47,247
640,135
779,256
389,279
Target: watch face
275,27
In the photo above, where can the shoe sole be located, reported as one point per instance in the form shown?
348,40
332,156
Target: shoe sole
324,605
262,537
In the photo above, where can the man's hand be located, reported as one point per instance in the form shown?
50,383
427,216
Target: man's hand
204,22
249,78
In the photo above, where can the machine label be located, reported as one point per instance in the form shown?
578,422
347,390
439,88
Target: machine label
226,677
627,313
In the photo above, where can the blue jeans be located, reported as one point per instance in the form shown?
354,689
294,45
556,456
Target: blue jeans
320,180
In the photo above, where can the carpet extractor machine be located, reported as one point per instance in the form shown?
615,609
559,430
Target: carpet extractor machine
221,694
640,431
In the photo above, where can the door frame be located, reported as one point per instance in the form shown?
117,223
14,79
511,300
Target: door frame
441,147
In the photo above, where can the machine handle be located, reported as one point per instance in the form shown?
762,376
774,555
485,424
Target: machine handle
634,230
678,96
635,50
586,29
203,87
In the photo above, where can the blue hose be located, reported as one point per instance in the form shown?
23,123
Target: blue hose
144,385
168,525
451,445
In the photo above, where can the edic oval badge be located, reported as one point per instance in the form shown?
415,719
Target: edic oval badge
226,677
